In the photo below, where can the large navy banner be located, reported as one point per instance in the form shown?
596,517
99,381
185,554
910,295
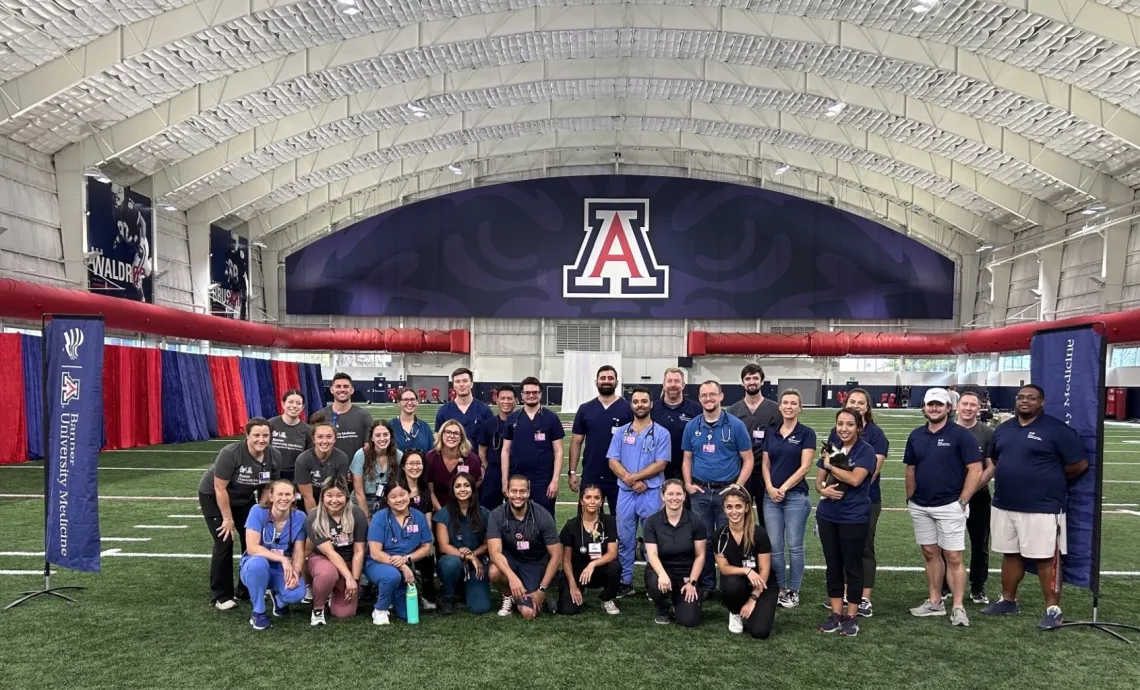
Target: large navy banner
1069,365
120,242
74,400
620,246
229,274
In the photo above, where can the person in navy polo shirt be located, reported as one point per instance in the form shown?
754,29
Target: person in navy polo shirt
1035,457
490,444
843,515
718,455
943,469
595,423
533,446
465,409
674,412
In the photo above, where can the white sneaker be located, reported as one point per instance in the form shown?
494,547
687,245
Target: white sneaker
610,607
427,605
317,618
507,607
735,624
225,604
308,595
380,617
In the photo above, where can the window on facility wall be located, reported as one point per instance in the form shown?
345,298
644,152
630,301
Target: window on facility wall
1125,357
1013,363
931,365
325,360
973,365
373,360
224,352
868,364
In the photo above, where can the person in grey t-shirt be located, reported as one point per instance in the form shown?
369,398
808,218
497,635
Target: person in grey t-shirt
351,423
289,435
320,462
978,522
760,416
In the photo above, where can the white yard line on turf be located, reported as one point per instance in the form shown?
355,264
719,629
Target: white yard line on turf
160,526
130,539
21,572
184,517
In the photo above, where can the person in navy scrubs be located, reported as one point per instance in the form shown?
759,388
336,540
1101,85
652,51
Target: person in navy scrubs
533,446
843,515
411,431
674,412
465,409
490,445
595,423
1035,456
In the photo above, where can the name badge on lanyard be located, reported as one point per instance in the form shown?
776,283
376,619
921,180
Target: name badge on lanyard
462,468
758,434
263,477
413,528
709,448
523,545
539,436
750,562
595,551
629,440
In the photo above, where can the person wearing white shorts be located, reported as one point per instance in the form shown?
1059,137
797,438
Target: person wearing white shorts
1035,457
943,469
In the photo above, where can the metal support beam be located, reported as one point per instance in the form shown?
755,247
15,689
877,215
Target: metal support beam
999,293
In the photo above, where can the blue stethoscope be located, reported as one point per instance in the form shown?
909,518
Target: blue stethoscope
409,437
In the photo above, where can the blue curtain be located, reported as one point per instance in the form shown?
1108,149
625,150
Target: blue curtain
249,385
312,387
265,388
188,411
206,388
32,350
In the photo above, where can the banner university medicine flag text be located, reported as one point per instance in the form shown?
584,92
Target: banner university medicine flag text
74,401
1068,365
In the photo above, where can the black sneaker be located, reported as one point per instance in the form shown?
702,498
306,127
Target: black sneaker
979,597
833,623
707,595
849,627
662,619
624,591
865,609
446,607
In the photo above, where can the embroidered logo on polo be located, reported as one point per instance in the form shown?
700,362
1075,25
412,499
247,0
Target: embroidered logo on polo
943,444
1034,436
616,259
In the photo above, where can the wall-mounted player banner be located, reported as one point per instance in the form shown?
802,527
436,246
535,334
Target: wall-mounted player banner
1069,364
620,246
229,274
120,241
73,360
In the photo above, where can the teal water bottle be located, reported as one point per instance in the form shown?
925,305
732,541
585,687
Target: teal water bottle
412,599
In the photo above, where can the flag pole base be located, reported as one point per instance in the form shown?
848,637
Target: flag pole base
49,592
1104,627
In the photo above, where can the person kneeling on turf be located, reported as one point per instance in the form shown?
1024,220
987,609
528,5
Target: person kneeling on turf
338,535
398,538
461,538
675,543
524,548
275,552
589,555
749,588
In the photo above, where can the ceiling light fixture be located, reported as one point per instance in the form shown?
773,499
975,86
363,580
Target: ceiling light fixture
923,6
168,207
1093,209
984,247
1035,292
352,10
455,168
783,169
102,178
259,243
347,2
835,108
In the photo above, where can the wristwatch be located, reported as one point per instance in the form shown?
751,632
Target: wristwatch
542,588
754,597
963,503
572,473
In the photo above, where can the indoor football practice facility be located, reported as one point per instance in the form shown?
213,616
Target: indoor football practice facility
628,343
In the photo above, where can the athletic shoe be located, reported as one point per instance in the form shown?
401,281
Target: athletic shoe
792,599
427,605
446,607
706,594
380,617
958,617
782,600
1052,619
979,597
929,608
865,609
308,595
833,623
318,618
662,619
507,607
849,627
827,603
1001,607
610,607
242,594
947,595
225,604
735,624
279,609
624,591
259,621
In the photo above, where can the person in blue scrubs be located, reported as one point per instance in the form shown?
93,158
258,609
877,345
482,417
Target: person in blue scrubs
638,455
674,412
398,538
842,516
718,455
595,423
465,409
788,451
411,431
490,445
860,401
461,538
274,557
533,446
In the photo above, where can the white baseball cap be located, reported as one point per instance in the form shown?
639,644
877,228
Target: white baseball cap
936,395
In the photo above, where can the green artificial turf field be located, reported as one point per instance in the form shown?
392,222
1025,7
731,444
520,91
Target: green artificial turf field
145,621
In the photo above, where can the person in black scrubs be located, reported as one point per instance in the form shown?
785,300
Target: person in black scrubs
744,557
227,492
761,416
492,432
589,555
675,550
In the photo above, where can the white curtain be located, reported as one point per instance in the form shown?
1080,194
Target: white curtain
579,371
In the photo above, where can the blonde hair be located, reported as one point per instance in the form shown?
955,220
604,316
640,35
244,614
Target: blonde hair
792,391
464,444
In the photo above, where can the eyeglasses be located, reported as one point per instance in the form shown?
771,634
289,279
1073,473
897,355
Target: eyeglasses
407,400
532,392
451,433
708,396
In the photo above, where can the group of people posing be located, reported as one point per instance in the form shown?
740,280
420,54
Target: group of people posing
340,503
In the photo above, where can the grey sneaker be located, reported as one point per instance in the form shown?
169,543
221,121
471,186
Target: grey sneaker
928,608
865,609
833,623
1052,619
959,618
850,626
1001,607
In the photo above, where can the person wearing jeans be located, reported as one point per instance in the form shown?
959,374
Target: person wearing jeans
461,539
718,456
788,452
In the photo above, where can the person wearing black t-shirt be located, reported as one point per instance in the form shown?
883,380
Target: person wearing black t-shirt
675,550
589,555
744,557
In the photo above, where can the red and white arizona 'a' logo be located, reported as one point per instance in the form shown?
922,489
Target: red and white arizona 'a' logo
616,258
69,389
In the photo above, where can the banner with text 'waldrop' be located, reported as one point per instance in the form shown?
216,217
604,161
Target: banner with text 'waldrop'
120,242
620,246
74,401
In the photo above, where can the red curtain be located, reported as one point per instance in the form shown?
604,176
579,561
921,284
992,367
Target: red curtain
286,375
229,397
132,396
14,442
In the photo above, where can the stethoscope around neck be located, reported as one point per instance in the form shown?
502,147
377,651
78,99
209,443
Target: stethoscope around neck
398,528
646,443
598,538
